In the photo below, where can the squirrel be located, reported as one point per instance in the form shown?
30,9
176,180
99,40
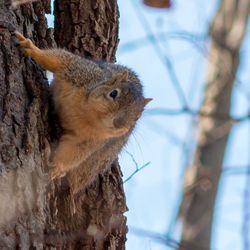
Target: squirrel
95,102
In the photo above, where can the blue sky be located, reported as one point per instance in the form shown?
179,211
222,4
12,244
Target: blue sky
154,193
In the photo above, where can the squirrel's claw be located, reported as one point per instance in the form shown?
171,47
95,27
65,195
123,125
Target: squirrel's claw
56,172
19,36
25,43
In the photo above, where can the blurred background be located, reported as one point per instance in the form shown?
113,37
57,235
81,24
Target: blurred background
186,167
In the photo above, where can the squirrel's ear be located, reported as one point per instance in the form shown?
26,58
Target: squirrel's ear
147,100
121,76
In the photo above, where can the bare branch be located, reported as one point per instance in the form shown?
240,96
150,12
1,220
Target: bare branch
201,113
163,58
136,171
137,168
195,39
165,239
227,31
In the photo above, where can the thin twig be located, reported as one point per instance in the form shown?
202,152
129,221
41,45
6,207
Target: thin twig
187,111
163,58
165,240
194,39
136,171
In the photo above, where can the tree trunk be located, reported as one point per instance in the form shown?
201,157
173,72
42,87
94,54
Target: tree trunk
35,213
227,31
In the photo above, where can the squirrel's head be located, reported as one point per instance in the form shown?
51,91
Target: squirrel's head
119,102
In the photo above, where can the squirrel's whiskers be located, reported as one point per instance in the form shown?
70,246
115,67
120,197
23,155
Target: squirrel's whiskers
95,102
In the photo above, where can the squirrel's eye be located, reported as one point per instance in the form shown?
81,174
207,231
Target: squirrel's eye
114,93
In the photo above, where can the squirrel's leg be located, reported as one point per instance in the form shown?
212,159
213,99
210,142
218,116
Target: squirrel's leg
68,155
46,58
65,157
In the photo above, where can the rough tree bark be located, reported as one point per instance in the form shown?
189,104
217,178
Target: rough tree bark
227,31
35,213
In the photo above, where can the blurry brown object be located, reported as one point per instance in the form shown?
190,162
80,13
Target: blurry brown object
202,178
158,3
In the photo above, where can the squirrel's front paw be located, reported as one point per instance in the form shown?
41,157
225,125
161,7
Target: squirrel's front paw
57,171
26,44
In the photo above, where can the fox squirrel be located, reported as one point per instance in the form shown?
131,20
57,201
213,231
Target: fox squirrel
95,101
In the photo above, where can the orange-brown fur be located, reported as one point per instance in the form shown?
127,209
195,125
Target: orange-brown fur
94,102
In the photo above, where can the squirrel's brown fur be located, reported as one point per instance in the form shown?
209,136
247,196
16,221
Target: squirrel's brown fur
95,102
